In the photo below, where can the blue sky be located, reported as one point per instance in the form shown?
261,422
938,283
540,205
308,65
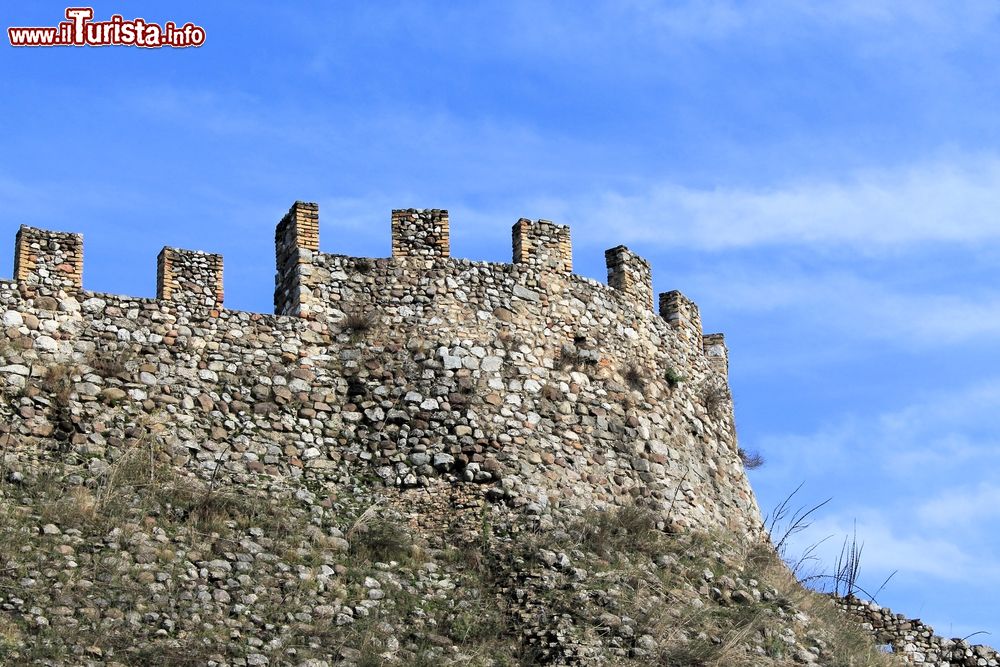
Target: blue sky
823,178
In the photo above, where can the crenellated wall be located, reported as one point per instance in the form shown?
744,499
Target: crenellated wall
546,390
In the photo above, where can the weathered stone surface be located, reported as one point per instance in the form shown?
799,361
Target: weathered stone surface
913,640
552,391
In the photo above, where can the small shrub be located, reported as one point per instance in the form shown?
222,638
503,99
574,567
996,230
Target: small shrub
751,460
381,542
379,538
110,363
624,529
672,377
714,396
58,382
634,378
572,358
12,346
358,320
363,266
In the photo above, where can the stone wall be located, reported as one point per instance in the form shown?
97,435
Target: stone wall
542,245
190,277
915,641
631,274
420,233
545,390
45,262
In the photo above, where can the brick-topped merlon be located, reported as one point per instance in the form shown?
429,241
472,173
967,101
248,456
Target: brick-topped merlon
717,352
542,245
296,238
682,314
420,233
631,274
191,277
48,262
300,227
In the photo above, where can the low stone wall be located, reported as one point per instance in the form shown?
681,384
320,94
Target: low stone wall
915,641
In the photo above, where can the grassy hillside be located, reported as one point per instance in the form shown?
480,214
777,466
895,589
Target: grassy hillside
136,563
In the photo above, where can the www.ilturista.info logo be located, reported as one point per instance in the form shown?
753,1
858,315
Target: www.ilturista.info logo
81,30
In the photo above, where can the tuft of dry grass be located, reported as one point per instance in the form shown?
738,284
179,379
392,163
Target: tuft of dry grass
359,319
58,383
552,392
751,459
571,358
110,363
714,396
634,377
376,537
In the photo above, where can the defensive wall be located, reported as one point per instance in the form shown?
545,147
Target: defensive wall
542,388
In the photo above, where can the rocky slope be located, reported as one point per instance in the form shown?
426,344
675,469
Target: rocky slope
143,564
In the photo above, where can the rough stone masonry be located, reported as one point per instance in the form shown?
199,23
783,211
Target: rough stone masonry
515,383
540,388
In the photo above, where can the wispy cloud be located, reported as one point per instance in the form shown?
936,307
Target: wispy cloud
724,18
918,445
948,201
890,545
962,507
909,316
916,483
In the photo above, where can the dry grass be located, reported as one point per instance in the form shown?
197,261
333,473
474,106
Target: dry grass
377,537
751,459
635,377
58,383
552,392
359,319
571,358
715,397
111,363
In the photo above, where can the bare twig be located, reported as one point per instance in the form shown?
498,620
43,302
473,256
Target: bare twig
796,520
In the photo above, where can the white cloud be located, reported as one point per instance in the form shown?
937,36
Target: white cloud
723,18
962,507
870,211
889,544
827,300
916,446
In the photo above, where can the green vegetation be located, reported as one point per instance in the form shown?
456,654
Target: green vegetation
673,377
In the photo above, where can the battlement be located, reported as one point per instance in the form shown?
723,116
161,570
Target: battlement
542,245
296,238
46,263
682,314
631,274
50,263
554,389
420,233
717,352
189,276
